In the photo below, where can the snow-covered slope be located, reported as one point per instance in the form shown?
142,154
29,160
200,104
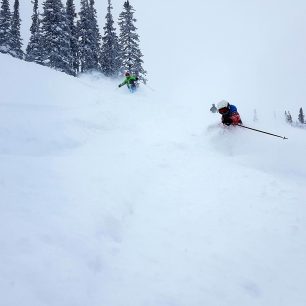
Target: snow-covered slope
115,199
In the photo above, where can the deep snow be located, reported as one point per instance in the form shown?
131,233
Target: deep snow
114,199
109,198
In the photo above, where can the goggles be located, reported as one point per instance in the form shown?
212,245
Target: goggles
223,110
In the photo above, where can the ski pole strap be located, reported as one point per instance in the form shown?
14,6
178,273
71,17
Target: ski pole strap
246,127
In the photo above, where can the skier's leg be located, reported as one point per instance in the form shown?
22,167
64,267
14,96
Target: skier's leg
133,88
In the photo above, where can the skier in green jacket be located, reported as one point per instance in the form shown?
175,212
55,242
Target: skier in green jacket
130,82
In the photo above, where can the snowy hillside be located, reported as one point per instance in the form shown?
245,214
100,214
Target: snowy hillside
117,199
113,199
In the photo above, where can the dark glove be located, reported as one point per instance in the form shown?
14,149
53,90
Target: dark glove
227,121
119,85
137,78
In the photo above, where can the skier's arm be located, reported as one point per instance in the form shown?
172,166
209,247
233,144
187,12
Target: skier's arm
235,119
227,120
123,83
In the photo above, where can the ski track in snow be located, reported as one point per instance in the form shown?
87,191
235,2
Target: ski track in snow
127,200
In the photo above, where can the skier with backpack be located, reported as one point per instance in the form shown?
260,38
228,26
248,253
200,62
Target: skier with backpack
230,115
130,82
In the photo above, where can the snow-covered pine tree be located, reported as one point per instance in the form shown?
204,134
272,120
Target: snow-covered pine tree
71,15
56,37
85,52
110,57
95,32
89,38
301,116
288,117
5,27
16,50
34,52
131,56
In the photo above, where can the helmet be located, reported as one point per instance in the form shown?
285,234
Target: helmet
223,107
222,104
127,74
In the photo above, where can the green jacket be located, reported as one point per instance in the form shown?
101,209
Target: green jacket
129,80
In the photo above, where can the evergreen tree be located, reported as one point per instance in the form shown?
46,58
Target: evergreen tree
95,32
34,52
16,38
55,39
288,117
301,116
5,27
85,52
89,37
110,58
71,15
131,56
